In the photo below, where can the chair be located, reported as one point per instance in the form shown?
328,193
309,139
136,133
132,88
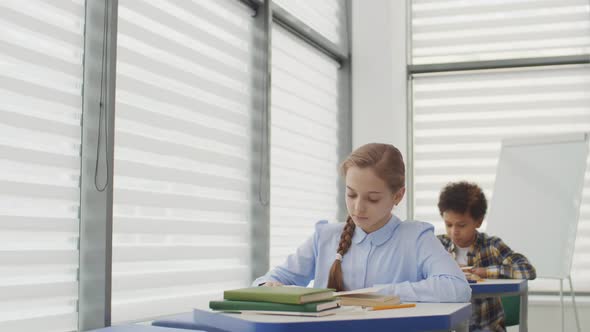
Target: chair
511,306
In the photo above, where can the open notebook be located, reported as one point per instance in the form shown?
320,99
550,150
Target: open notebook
366,297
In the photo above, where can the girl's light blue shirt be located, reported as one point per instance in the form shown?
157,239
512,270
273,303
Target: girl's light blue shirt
403,257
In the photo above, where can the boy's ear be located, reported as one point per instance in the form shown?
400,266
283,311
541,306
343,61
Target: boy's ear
478,223
399,195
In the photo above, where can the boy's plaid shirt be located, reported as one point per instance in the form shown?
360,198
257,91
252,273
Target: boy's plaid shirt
501,263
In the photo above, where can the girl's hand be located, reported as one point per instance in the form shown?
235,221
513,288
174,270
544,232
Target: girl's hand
272,284
480,271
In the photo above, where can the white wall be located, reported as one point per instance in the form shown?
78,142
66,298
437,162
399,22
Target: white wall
379,114
379,75
545,314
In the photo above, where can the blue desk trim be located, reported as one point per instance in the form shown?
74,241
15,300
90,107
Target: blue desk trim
210,321
486,288
427,323
184,321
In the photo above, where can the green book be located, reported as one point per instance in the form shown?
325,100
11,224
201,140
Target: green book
229,305
283,294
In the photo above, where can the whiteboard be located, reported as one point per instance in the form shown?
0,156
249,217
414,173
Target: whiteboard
536,199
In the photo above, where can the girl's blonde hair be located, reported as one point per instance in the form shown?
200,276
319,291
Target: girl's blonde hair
388,164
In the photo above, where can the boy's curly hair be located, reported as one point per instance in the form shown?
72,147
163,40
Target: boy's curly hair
461,197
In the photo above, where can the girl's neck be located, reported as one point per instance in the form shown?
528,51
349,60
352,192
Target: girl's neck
378,225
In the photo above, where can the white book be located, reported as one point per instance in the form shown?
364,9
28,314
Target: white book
359,291
289,313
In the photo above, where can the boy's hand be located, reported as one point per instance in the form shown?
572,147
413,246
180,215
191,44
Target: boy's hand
272,284
465,268
480,271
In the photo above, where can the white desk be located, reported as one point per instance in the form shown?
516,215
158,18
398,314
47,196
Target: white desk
505,287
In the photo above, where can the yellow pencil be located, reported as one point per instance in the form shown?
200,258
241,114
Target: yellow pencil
395,306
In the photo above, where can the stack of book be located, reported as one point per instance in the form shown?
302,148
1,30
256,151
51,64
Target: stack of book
285,300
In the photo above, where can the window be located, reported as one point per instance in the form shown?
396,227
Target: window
458,30
304,142
460,117
41,93
327,17
190,157
183,164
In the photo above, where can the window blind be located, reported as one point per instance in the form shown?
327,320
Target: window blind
304,142
183,158
327,17
41,50
473,30
461,118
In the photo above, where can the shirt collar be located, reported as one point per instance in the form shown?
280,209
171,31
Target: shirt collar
379,236
474,246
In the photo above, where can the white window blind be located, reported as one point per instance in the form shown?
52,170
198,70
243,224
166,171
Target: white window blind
181,232
327,17
304,142
471,30
41,48
460,119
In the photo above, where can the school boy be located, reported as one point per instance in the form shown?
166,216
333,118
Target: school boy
463,206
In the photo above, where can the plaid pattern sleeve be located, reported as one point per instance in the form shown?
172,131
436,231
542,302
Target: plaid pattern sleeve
500,262
505,263
446,241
